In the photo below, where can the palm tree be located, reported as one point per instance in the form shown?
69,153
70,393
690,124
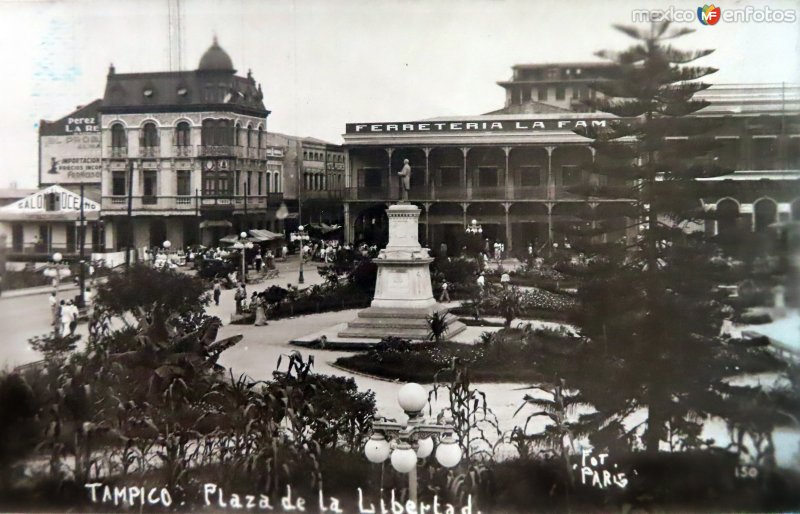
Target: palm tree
559,433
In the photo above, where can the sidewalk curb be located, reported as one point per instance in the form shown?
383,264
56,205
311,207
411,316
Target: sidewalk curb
32,291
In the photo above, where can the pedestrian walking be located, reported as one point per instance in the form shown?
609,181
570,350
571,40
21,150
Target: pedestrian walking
64,318
238,296
217,292
88,301
260,307
73,317
258,261
445,297
54,310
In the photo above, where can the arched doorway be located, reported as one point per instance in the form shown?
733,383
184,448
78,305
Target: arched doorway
727,215
765,213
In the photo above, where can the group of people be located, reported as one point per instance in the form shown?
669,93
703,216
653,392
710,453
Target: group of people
66,313
321,251
257,303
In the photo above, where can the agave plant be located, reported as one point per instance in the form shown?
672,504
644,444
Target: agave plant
437,326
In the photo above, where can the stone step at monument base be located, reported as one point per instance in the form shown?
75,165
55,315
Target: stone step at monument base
405,323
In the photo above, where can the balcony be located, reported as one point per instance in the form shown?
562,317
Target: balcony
240,203
336,194
118,152
460,194
149,152
182,151
149,203
217,151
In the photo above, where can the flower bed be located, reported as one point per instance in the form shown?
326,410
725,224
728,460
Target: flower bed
505,356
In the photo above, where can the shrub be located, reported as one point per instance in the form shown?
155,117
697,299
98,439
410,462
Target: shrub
23,279
751,318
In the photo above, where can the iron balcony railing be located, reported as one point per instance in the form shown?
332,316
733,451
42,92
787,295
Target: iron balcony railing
150,151
118,152
190,202
218,151
533,193
183,151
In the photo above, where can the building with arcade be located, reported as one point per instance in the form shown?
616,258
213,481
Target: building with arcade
513,170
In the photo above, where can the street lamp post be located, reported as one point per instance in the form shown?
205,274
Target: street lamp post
475,230
406,443
167,245
243,244
300,235
57,269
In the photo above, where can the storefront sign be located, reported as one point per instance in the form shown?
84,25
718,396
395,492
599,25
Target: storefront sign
53,198
474,126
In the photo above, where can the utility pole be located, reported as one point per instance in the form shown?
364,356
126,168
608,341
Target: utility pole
300,177
82,252
129,235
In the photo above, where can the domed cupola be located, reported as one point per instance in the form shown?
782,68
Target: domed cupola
216,59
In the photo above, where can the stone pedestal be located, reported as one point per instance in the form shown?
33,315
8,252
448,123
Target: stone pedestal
403,295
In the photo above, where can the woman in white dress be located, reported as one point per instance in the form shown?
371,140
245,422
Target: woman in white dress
260,306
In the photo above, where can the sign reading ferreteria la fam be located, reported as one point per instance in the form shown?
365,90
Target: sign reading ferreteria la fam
477,125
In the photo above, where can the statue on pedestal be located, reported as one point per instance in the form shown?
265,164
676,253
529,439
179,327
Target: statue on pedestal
405,180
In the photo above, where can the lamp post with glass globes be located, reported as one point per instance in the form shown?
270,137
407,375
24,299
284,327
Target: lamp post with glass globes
166,245
55,270
405,443
243,244
300,235
475,230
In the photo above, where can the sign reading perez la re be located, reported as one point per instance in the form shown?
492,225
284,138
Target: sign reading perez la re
476,125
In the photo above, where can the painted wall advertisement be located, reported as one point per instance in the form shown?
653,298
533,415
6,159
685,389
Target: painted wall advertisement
69,149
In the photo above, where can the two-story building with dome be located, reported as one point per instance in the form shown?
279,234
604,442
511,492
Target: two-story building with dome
185,156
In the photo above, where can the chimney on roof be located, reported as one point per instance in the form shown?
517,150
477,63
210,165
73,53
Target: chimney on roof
111,69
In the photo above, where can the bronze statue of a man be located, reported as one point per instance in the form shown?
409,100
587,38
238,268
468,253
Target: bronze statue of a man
405,180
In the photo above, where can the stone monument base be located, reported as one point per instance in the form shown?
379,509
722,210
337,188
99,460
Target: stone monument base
403,296
400,322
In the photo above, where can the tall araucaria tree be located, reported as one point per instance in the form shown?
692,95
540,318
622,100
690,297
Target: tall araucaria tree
649,308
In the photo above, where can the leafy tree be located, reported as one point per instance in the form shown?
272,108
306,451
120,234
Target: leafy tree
648,304
153,296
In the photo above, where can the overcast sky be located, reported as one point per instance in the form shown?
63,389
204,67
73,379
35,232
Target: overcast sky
324,63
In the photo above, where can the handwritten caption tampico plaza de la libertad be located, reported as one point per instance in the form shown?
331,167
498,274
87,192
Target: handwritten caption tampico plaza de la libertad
215,497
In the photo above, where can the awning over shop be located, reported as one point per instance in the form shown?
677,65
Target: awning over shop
216,223
324,227
262,235
229,239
